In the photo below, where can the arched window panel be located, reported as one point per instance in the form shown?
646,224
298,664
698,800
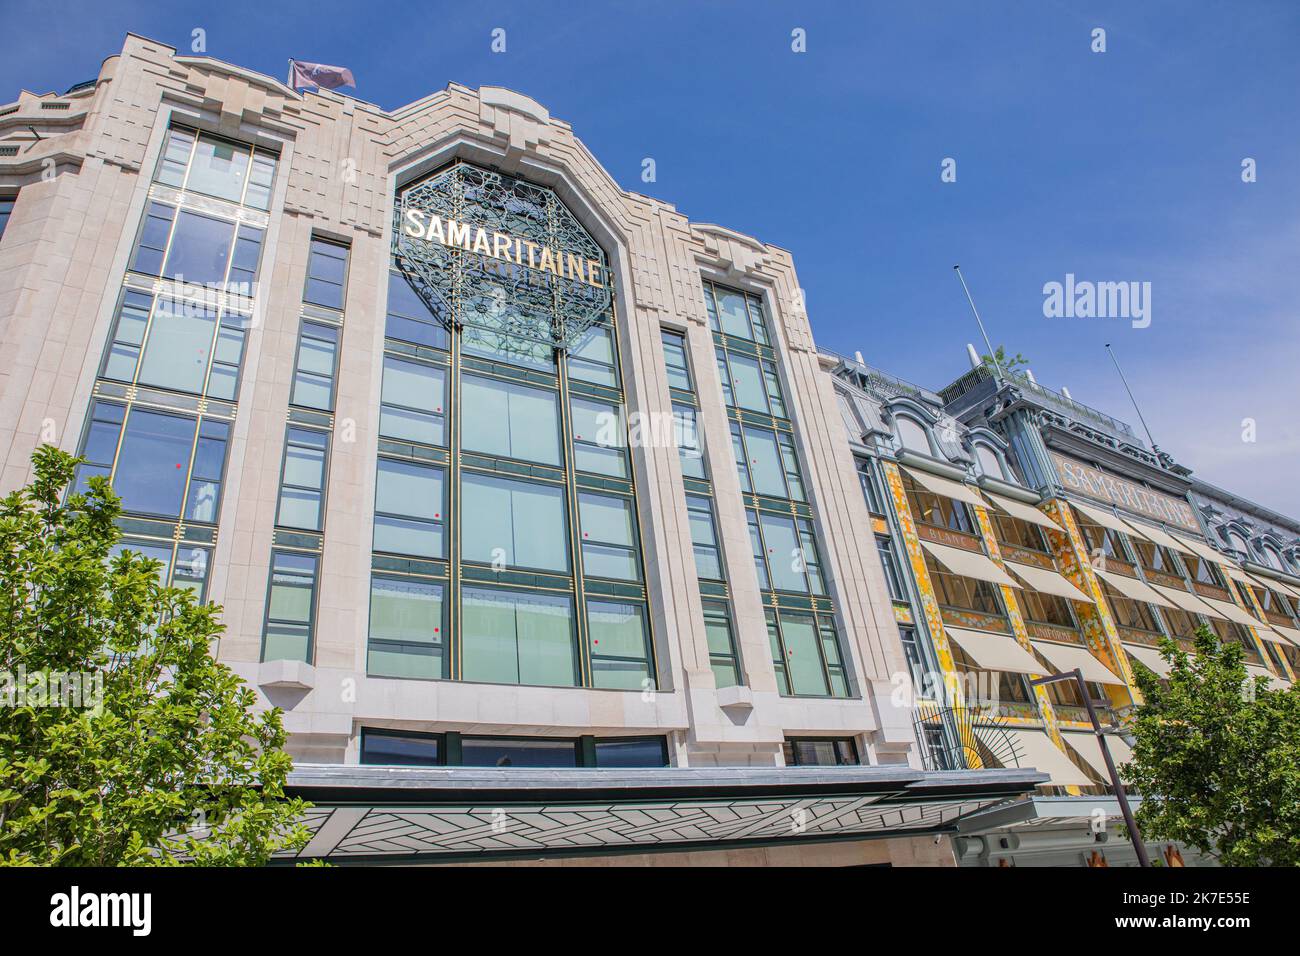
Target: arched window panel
912,434
990,461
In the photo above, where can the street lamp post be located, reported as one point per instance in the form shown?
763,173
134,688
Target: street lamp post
1136,837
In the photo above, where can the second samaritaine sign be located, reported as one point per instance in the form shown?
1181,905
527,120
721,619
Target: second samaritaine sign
1083,479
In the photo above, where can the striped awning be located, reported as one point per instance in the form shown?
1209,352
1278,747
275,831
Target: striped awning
995,652
969,564
1068,657
1104,518
1232,612
1155,535
1150,656
1018,509
1089,748
1133,589
1049,582
1035,749
944,486
1200,549
1187,602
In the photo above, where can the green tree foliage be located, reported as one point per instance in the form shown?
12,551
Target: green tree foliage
1217,759
1012,366
172,765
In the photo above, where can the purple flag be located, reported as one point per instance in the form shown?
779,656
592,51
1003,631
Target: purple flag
319,75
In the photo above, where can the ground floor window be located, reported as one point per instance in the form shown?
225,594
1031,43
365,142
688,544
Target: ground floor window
401,748
820,752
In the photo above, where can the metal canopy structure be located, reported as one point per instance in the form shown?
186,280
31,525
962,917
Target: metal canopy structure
418,814
487,268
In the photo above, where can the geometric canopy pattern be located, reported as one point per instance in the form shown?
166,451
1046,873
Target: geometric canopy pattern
381,813
504,295
376,831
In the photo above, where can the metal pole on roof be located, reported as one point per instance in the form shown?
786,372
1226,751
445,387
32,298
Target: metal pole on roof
1111,353
993,356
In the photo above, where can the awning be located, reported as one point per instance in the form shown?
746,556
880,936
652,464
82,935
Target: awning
1155,535
1150,656
1286,633
1103,518
1276,634
945,486
1067,658
1035,749
1089,748
1024,512
1278,586
1277,683
995,652
968,564
1232,612
1187,602
368,813
1133,589
1200,549
1049,582
1234,572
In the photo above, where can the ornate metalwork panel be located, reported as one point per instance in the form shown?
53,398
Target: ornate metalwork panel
501,258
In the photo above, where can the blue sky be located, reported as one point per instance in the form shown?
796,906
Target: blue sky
1115,166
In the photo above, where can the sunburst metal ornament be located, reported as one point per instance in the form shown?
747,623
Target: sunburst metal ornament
501,258
964,737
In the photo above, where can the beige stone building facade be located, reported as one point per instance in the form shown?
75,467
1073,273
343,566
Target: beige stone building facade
372,447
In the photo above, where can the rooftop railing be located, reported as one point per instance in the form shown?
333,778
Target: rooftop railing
883,383
1049,399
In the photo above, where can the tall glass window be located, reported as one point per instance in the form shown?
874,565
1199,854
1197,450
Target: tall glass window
735,313
609,547
620,647
413,397
291,607
409,319
687,435
152,457
302,485
202,163
704,537
314,368
510,420
805,654
767,462
593,360
406,628
723,659
869,486
599,438
788,553
893,580
408,509
676,361
516,637
515,524
504,484
178,345
327,272
198,249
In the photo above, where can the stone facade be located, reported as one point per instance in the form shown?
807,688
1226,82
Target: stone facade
82,191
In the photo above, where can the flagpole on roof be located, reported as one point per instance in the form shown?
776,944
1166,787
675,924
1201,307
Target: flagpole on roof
289,81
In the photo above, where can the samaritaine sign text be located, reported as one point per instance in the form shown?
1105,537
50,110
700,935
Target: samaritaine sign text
418,224
1085,480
